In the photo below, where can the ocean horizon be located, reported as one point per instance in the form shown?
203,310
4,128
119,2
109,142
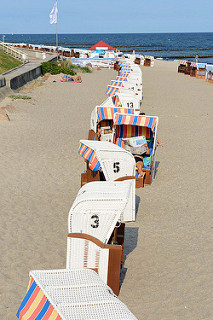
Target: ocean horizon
160,45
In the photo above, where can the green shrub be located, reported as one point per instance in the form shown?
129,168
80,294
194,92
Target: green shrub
15,97
65,67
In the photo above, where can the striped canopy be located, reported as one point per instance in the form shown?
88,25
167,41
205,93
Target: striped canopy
124,73
89,154
108,113
116,84
111,91
116,101
35,305
121,78
143,121
193,64
183,62
148,57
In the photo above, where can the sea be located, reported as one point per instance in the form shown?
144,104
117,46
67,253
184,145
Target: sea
160,45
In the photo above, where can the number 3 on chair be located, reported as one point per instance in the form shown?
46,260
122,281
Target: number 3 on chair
116,167
95,220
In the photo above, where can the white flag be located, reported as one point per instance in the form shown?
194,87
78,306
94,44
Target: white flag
53,14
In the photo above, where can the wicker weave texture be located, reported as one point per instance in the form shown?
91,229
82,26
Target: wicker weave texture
99,205
80,295
82,253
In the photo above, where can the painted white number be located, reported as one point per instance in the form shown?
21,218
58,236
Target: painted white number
116,167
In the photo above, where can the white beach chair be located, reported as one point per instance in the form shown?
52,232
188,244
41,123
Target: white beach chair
70,295
96,231
104,116
126,100
138,125
112,90
115,162
109,201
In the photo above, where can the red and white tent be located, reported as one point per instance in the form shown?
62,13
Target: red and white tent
101,45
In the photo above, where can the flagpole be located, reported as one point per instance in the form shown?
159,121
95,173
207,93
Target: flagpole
57,39
57,32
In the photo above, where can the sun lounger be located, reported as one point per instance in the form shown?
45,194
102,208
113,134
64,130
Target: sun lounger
70,295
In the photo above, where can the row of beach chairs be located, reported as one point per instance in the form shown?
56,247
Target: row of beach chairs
88,287
197,70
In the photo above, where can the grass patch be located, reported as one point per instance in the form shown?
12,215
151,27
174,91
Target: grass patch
15,97
7,62
65,67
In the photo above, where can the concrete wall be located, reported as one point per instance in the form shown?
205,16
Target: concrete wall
2,81
21,77
26,73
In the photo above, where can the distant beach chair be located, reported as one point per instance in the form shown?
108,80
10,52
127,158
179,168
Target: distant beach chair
148,61
193,71
125,99
187,69
112,91
182,66
209,73
70,295
201,71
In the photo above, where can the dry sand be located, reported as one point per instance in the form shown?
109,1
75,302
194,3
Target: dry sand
168,266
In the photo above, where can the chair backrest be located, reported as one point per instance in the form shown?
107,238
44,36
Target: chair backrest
114,161
100,205
84,251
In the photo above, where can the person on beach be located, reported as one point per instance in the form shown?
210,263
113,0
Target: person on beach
141,161
97,136
196,58
71,78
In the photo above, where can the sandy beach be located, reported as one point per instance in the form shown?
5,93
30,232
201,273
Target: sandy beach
167,272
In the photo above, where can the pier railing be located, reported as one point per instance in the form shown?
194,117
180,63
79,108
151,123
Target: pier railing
18,54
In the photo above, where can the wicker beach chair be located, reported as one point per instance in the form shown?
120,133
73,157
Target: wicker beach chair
96,228
104,115
187,69
114,161
201,71
209,73
113,90
70,295
130,84
182,66
126,126
125,99
148,61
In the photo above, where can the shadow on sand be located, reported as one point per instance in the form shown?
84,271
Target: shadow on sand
131,239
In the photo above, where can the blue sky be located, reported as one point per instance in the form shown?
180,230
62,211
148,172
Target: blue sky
112,16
